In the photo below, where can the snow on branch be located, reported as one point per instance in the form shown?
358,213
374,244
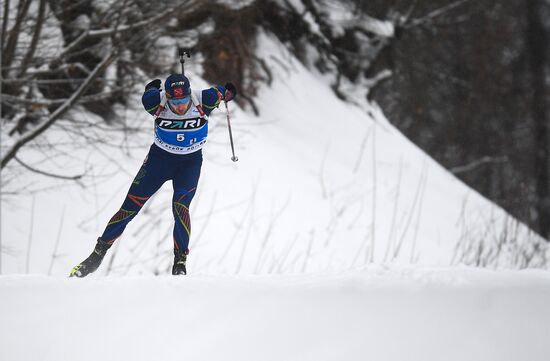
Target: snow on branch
27,137
435,14
89,33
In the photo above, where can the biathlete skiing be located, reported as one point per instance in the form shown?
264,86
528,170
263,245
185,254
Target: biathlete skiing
181,129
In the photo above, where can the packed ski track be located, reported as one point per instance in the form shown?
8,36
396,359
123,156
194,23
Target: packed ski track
375,313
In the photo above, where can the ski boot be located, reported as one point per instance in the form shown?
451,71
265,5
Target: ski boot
180,260
91,263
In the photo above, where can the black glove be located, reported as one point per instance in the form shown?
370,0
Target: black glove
153,84
230,92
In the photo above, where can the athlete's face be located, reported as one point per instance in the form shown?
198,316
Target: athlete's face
179,105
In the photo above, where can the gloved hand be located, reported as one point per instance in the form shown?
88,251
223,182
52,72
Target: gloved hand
153,84
230,92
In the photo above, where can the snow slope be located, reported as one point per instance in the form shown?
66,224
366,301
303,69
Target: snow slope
321,185
376,313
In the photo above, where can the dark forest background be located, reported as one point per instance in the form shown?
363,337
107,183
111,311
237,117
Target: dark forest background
465,80
471,88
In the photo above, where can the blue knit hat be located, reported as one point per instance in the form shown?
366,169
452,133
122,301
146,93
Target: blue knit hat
177,86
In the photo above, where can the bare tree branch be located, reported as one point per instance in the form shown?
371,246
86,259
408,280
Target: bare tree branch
10,154
435,14
5,19
9,51
471,166
140,24
89,34
75,177
35,37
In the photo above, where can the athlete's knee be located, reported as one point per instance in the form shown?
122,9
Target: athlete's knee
184,197
135,202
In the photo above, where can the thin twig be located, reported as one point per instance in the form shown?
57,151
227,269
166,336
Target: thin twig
471,166
434,14
418,218
54,254
75,177
31,227
248,231
394,216
374,190
411,213
308,250
361,151
272,223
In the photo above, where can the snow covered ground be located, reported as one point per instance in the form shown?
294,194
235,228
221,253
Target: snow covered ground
321,185
374,313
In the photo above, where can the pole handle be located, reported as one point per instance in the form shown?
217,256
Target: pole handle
183,52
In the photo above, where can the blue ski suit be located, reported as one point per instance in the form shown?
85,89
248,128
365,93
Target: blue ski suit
175,155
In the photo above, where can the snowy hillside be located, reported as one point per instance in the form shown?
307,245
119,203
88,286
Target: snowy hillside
371,314
321,185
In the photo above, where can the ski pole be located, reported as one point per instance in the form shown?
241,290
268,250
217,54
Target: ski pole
234,158
194,99
183,52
